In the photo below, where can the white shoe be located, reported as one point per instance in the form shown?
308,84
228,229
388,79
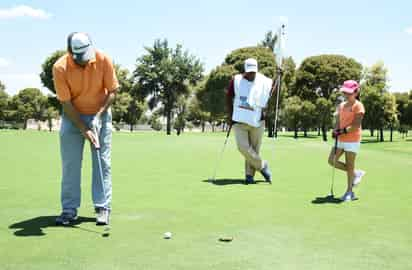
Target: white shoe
102,216
358,177
348,196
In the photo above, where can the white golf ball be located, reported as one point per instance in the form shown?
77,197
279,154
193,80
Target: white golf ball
167,235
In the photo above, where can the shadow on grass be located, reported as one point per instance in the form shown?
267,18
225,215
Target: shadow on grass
309,136
327,200
366,141
35,226
224,182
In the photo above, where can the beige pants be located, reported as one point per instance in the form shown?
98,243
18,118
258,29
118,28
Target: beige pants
249,140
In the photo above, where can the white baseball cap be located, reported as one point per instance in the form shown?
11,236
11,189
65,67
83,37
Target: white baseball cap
81,47
251,65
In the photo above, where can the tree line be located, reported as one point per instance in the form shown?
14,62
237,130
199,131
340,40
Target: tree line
170,82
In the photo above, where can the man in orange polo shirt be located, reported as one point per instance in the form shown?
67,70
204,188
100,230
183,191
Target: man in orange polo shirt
86,84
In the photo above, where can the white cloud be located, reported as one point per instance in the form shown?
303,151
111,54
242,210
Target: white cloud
23,11
4,62
409,30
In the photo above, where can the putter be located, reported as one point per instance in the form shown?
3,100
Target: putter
219,157
226,239
106,230
335,149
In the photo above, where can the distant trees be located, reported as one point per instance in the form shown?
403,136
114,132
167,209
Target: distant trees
164,76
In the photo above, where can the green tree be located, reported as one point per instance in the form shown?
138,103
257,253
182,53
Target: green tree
195,114
46,76
181,112
4,101
291,113
408,115
134,112
390,113
155,122
49,114
376,76
121,106
320,76
165,74
307,116
264,56
269,41
371,99
211,94
128,106
375,81
402,100
29,103
324,115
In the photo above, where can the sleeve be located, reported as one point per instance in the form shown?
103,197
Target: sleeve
230,93
110,79
359,108
60,84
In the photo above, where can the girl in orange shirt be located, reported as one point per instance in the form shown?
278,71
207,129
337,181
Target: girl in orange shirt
348,132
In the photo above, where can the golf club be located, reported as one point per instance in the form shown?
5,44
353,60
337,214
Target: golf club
220,155
339,100
106,231
335,149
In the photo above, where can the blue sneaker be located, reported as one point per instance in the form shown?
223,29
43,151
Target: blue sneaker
267,174
249,180
348,196
66,218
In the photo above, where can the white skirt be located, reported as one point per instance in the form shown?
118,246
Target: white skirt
349,146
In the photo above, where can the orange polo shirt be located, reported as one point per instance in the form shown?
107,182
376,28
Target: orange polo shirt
86,87
346,118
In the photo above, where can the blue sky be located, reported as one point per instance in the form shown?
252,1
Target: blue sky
368,31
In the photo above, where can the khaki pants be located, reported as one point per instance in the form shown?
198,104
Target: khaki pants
249,140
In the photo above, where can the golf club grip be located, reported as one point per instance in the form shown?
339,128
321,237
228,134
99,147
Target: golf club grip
96,134
335,149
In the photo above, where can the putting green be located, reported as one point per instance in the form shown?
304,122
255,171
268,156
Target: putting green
161,185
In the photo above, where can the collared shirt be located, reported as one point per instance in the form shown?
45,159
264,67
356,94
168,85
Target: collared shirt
347,115
86,87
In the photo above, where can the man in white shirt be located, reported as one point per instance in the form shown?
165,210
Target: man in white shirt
247,96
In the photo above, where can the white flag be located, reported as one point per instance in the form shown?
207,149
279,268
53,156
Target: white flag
280,45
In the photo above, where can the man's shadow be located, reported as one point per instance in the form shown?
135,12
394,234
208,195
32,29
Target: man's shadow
225,181
35,226
327,200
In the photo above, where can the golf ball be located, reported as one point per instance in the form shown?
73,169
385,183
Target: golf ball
167,235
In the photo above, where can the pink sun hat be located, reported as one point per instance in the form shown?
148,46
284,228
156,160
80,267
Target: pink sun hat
350,87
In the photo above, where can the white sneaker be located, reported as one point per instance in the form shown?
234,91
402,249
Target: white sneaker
358,177
102,216
348,196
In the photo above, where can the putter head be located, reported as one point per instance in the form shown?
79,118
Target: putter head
330,199
226,239
106,232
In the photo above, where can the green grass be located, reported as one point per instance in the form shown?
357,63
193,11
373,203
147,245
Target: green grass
160,184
